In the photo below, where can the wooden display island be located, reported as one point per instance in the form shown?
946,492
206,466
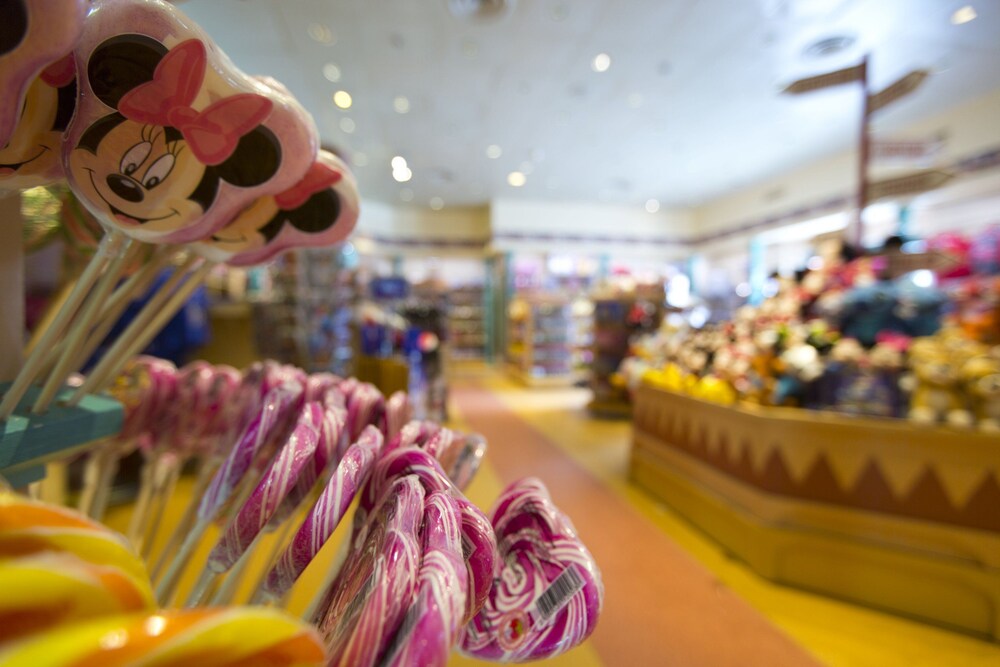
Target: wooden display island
875,511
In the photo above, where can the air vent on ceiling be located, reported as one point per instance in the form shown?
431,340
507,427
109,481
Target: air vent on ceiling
828,46
480,9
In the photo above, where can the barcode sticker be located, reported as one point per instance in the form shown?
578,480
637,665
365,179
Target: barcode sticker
559,592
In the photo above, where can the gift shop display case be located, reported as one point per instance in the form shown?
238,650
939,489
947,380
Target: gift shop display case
895,515
467,328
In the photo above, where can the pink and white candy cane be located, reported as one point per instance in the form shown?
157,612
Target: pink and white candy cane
318,384
415,433
319,211
548,595
170,141
430,627
36,34
470,457
365,405
351,474
282,474
398,411
479,547
280,401
371,593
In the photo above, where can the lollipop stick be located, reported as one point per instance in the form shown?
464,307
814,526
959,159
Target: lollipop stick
205,579
81,326
135,530
205,474
232,581
166,587
116,304
92,472
276,550
145,326
165,481
108,247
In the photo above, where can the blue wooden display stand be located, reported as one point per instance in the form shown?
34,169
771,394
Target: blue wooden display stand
28,441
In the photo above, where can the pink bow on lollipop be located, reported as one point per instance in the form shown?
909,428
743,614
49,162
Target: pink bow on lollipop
212,134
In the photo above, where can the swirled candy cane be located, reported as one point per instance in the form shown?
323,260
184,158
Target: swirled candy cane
350,476
36,34
478,540
365,406
281,476
548,595
370,594
430,627
318,384
470,457
440,443
398,411
414,433
170,140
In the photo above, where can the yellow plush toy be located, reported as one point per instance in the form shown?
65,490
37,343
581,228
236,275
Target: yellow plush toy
982,381
936,392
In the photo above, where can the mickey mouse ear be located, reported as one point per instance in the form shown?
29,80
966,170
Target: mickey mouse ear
33,35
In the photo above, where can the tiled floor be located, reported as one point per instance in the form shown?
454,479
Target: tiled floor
674,597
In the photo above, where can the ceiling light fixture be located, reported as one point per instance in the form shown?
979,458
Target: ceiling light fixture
601,62
436,203
398,162
320,33
342,99
347,125
331,73
652,206
493,151
401,104
964,15
829,46
402,174
516,179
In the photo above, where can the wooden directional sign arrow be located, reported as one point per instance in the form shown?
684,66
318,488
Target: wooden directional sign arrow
918,181
825,80
901,88
911,151
898,264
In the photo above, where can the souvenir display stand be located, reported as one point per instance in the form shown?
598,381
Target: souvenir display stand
883,512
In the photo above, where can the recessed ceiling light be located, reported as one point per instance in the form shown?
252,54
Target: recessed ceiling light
320,33
402,174
601,62
634,100
401,104
331,73
360,159
516,179
828,46
436,203
406,194
652,206
493,151
398,162
964,15
342,99
347,125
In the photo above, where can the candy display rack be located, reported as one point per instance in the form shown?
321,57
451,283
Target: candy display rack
542,337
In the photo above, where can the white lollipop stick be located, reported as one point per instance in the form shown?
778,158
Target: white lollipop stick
82,325
205,473
142,330
97,462
109,247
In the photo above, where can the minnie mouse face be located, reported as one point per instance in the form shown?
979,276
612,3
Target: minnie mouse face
31,157
153,168
33,34
320,210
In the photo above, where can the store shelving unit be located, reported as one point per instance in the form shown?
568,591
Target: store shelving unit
467,330
616,320
544,341
309,320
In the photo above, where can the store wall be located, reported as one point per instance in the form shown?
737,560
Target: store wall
970,130
586,228
395,229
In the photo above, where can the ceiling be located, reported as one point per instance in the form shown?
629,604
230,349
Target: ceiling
689,109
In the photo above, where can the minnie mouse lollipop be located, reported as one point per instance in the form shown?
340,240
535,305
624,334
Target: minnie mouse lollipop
319,211
35,34
170,141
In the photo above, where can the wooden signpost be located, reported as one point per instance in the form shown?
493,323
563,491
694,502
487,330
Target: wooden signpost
908,184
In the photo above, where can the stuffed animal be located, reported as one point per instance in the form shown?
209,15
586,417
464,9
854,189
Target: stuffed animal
937,393
981,376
